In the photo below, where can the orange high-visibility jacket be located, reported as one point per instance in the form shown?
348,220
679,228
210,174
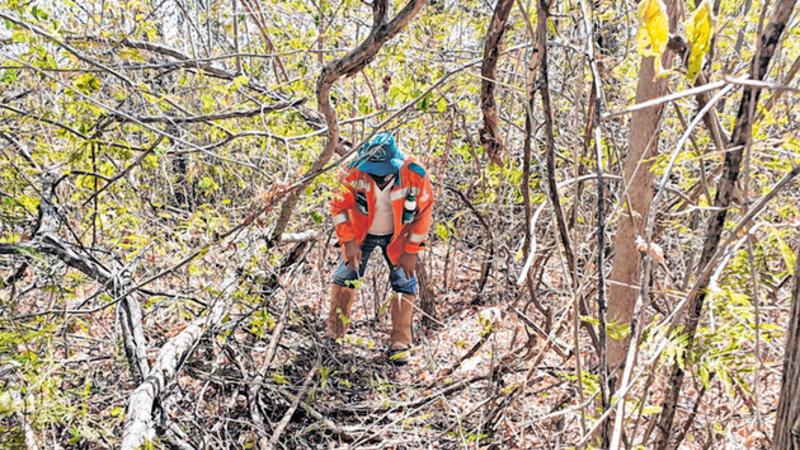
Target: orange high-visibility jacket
353,208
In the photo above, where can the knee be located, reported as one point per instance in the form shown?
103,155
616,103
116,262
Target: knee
404,284
344,276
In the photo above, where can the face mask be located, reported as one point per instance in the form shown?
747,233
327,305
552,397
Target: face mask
381,180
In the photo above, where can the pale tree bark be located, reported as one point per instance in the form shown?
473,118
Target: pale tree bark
139,423
787,423
645,130
139,416
382,31
490,138
741,137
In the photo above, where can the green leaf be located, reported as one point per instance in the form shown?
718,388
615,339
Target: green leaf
38,13
442,232
240,81
207,184
87,83
618,331
400,355
279,378
208,103
650,410
355,284
424,103
117,411
363,104
19,36
9,76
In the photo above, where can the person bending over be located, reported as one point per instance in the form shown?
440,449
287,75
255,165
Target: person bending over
384,201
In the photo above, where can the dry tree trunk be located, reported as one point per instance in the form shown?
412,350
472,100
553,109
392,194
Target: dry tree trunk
139,417
742,134
490,138
593,129
787,423
427,298
550,158
350,64
637,193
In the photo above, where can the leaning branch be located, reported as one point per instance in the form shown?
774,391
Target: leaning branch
207,67
117,282
280,106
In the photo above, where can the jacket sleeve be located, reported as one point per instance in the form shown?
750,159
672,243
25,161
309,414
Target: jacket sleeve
422,222
343,201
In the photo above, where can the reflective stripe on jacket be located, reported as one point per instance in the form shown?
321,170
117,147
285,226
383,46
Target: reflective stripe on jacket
353,208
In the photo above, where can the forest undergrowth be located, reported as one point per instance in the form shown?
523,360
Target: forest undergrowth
612,261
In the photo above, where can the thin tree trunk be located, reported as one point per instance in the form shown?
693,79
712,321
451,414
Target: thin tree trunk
550,161
593,128
490,138
787,423
637,193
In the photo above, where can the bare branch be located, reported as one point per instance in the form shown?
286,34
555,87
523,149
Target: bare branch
214,117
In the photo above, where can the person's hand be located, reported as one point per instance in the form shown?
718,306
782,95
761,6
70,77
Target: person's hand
408,262
352,254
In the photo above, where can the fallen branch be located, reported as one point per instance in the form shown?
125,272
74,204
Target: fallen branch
139,418
301,236
46,241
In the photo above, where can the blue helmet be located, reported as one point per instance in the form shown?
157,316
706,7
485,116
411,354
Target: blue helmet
380,156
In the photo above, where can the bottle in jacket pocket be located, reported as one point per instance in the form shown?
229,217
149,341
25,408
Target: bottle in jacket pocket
409,208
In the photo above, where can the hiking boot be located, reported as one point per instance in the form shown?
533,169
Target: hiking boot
342,299
401,310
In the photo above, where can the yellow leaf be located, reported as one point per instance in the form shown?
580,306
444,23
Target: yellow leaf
698,32
653,33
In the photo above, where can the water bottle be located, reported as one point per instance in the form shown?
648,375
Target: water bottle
409,208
